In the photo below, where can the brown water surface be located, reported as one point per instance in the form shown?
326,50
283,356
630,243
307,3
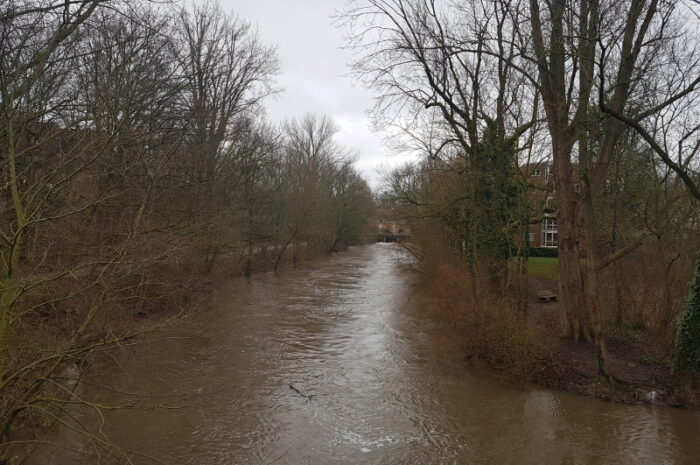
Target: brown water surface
380,387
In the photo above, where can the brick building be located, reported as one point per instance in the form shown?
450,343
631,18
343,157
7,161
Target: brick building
392,231
541,203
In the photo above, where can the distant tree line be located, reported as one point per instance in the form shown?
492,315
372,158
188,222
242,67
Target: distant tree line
134,162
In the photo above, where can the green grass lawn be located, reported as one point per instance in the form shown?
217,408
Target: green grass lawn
543,267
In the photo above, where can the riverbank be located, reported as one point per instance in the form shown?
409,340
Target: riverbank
640,370
524,347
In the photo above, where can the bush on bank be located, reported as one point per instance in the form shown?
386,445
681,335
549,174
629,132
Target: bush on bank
491,326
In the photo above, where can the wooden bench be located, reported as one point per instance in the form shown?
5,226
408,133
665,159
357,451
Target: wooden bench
546,296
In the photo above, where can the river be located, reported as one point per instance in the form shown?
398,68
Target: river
333,363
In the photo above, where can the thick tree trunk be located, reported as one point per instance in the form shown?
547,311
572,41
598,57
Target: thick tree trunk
595,320
578,286
571,283
572,303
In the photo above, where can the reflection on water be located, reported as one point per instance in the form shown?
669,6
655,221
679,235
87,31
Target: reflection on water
346,332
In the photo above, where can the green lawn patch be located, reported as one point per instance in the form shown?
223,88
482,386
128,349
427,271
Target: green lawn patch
543,267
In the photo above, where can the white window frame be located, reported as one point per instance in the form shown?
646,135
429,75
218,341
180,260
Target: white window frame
549,224
550,234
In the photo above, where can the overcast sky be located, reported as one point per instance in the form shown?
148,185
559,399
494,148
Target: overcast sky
314,73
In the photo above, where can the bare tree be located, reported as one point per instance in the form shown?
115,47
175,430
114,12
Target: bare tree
447,80
132,146
627,40
664,113
226,72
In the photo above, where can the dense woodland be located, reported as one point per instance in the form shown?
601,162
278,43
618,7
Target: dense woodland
137,166
603,92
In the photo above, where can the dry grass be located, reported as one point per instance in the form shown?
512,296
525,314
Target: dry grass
647,290
491,327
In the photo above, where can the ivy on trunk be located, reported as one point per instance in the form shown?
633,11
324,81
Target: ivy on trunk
689,330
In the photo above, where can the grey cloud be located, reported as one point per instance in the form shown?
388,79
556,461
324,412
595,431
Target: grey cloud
314,73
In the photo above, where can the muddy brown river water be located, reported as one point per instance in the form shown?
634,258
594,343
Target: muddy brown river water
371,383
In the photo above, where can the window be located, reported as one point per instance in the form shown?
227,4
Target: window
549,239
549,224
536,172
531,237
549,232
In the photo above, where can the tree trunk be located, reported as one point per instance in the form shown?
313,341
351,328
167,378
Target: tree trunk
571,283
594,320
571,274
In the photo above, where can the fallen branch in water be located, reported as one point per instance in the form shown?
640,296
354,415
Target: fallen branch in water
308,397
